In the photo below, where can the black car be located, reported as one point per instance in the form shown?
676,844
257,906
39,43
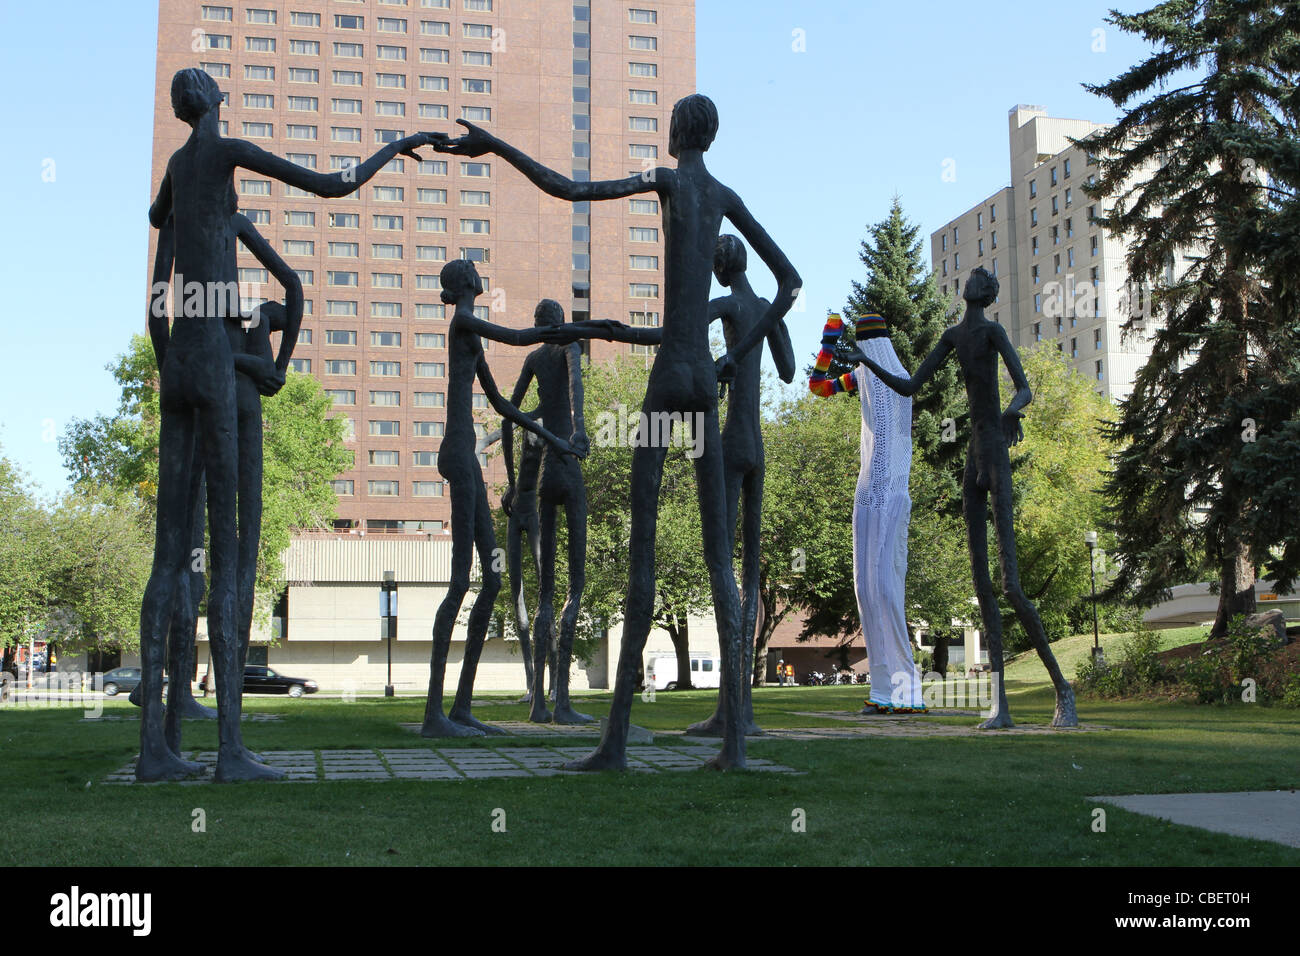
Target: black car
123,679
263,680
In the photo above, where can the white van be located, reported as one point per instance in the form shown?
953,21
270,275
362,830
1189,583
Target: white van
661,672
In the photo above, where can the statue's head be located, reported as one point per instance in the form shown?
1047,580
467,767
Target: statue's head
459,277
981,288
694,124
548,312
194,95
729,258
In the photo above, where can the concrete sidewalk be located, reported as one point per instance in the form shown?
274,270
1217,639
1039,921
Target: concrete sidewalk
1272,815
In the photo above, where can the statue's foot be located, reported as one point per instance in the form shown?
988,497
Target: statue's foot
998,721
715,725
598,759
526,699
191,709
728,758
137,695
567,715
167,767
253,756
1065,715
539,714
466,719
241,767
441,726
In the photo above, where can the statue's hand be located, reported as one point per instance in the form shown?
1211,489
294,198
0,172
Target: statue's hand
581,444
725,368
1012,430
407,146
508,500
475,142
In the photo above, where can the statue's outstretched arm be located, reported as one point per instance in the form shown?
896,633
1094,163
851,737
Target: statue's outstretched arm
330,185
478,141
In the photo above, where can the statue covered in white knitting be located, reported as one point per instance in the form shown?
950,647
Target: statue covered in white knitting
882,510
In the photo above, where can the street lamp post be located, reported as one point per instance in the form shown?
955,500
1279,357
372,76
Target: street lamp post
1090,538
388,607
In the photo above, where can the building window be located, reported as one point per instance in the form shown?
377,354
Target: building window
340,367
304,47
342,396
636,15
384,459
426,489
430,400
477,31
1097,366
259,44
304,19
643,97
427,429
340,337
343,486
643,69
338,307
382,489
345,220
644,207
1033,189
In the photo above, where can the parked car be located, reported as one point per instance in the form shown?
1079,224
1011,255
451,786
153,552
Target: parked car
263,680
123,679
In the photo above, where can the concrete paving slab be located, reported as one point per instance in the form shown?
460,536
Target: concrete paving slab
1272,815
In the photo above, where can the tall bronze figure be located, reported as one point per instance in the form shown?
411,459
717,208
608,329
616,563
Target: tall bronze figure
979,343
198,401
742,452
558,371
683,380
471,515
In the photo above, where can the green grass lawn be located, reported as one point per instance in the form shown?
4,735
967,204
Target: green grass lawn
992,799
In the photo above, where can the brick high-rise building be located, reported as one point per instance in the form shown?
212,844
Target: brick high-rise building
586,88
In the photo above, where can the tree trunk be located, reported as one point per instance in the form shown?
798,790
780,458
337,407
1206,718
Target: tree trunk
1236,588
679,630
940,660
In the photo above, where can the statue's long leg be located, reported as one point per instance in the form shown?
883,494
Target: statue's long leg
718,531
575,507
183,633
480,614
975,506
544,622
751,563
1065,715
463,496
175,459
218,430
647,476
713,725
518,603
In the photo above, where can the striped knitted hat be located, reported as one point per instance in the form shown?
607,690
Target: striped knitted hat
871,322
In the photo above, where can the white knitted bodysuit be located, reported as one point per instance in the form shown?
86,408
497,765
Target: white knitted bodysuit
882,510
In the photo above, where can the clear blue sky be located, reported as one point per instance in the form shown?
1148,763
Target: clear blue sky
817,142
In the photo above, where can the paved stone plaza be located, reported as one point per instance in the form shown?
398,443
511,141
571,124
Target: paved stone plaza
453,763
857,726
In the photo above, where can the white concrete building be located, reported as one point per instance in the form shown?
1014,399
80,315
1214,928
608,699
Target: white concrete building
329,628
1063,280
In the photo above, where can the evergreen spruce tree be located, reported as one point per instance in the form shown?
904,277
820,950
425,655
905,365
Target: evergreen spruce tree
1182,170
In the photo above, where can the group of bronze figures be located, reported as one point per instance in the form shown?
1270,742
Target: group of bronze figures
216,362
